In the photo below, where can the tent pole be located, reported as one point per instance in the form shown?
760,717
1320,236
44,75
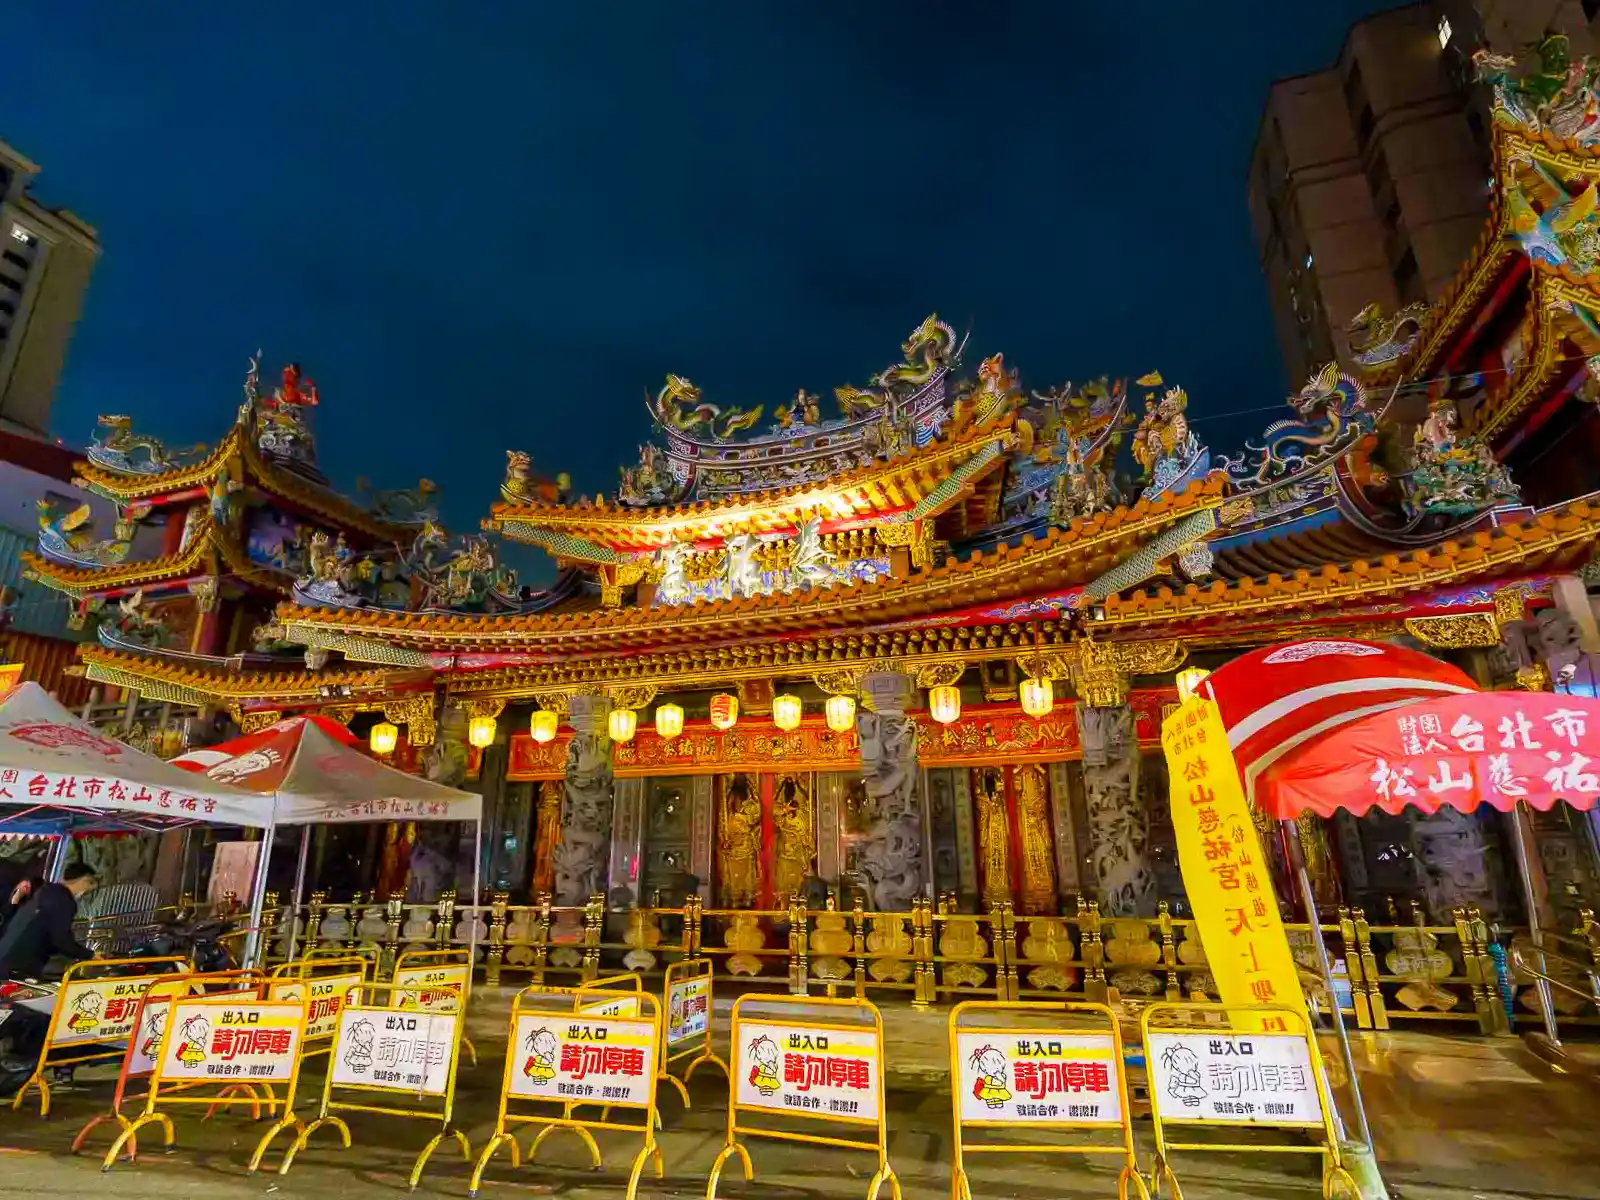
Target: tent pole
299,891
477,893
1530,901
258,896
1308,900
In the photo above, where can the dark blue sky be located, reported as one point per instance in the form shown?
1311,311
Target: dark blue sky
492,225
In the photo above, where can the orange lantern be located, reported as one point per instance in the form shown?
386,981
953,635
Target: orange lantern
841,712
383,738
480,732
1038,697
542,725
786,710
944,704
669,720
724,710
622,724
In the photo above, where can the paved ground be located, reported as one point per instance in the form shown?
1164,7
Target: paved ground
1455,1118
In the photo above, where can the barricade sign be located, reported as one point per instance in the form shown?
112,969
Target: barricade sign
574,1056
143,1045
1039,1072
93,1016
436,981
690,1009
808,1059
1232,1077
250,1047
400,1053
337,982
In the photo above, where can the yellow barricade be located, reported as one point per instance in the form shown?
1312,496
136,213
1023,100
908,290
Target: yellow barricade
580,1056
435,975
94,1015
807,1062
687,999
231,1041
393,1050
1221,1078
326,982
1040,1076
139,1058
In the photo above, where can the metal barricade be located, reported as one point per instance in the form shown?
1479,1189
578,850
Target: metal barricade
575,1055
392,1050
93,1013
688,998
229,1041
431,978
803,1064
1052,1076
1208,1076
325,982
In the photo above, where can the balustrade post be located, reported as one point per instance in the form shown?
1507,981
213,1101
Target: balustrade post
1352,966
394,915
858,943
1370,971
541,938
1169,951
1094,953
799,950
594,919
314,922
444,924
499,902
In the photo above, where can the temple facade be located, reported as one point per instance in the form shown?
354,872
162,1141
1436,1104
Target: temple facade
906,654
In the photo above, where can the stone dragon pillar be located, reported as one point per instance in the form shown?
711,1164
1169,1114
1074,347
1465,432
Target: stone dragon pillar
1118,828
580,857
891,859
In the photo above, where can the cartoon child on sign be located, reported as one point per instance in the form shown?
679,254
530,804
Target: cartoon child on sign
540,1065
764,1075
675,1012
991,1084
86,1012
192,1037
155,1020
358,1054
1184,1071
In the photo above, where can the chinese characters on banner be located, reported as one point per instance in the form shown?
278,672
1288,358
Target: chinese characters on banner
1029,1076
98,1010
325,996
438,989
254,1041
67,790
817,1072
569,1058
688,1004
1263,1079
396,1051
1226,875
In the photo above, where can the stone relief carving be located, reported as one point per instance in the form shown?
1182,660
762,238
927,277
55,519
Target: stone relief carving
891,851
1124,881
580,858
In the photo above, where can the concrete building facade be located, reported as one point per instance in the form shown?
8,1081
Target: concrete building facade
46,258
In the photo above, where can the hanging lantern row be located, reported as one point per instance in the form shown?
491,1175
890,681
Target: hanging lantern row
841,711
383,738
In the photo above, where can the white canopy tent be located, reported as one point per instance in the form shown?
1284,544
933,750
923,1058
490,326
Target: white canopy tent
315,774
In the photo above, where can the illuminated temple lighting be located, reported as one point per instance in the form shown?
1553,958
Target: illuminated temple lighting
669,720
542,725
1189,680
786,710
383,738
622,724
724,710
1038,697
480,731
841,712
944,704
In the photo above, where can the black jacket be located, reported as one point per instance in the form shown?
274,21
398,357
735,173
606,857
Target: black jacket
40,930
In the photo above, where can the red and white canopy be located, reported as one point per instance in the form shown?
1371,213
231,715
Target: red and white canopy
1279,698
317,773
1495,748
50,759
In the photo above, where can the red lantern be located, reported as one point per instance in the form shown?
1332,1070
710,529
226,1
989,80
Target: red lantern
724,710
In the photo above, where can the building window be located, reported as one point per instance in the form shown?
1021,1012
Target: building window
16,260
19,234
7,282
1445,31
1310,260
1407,279
8,308
1378,177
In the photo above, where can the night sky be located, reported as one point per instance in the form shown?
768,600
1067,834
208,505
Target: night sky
483,225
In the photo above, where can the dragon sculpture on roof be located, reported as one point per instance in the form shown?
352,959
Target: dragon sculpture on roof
1330,415
1553,93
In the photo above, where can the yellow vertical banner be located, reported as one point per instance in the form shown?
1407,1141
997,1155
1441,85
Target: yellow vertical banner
1226,874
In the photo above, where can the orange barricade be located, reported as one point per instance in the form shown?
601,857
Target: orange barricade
94,1013
392,1050
1212,1076
1051,1076
585,1054
139,1059
230,1041
690,1007
807,1061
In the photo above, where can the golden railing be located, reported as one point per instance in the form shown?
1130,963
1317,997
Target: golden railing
1400,972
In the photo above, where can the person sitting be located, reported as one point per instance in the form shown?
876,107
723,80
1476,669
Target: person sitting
42,927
